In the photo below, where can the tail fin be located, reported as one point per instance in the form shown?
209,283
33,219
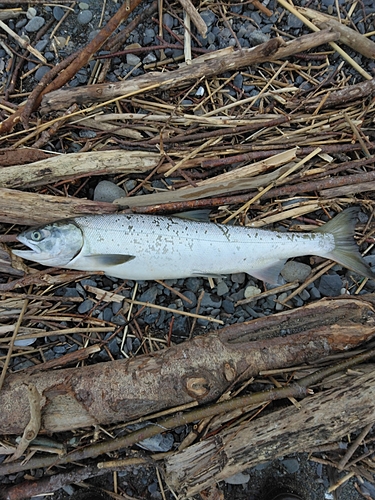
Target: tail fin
346,250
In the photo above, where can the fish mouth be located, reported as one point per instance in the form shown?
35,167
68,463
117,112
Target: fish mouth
26,253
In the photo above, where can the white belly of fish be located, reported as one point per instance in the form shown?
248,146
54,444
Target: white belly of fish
155,247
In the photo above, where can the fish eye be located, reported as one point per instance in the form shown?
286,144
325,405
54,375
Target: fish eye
36,235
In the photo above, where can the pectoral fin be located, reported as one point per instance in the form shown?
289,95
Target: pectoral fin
270,273
109,260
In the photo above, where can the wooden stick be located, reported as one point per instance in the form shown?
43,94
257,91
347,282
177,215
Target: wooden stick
334,45
202,66
195,17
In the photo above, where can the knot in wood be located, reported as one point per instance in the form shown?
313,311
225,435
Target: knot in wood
229,372
197,387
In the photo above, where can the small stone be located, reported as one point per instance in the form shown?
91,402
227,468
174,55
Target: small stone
291,465
257,37
208,17
85,306
59,349
193,284
58,13
84,17
87,134
238,277
295,271
211,300
31,13
150,58
314,293
251,291
228,306
132,59
330,285
239,478
41,45
190,295
35,24
180,326
83,5
149,36
108,191
168,20
222,288
40,72
281,298
294,22
149,295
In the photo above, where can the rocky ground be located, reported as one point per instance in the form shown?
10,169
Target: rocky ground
221,299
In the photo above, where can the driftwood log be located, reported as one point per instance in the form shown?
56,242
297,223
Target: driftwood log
322,419
74,165
199,370
203,66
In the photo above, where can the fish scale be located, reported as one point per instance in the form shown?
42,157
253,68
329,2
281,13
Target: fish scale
143,247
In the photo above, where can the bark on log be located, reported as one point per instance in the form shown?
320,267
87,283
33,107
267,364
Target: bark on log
19,207
206,65
198,370
77,164
322,419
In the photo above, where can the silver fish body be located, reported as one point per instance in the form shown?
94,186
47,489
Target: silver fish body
144,247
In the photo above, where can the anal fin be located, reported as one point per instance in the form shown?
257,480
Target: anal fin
269,273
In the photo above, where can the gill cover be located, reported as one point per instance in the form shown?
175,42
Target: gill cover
54,244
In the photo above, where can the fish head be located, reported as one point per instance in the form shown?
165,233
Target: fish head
54,244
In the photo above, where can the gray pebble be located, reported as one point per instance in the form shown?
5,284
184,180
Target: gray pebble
291,465
211,38
132,59
49,56
149,295
239,478
294,22
108,191
168,20
222,288
149,36
31,13
251,291
257,37
87,134
238,81
193,284
211,300
238,277
314,293
228,306
20,24
48,354
190,295
58,13
208,17
107,314
330,285
71,292
85,306
180,326
116,307
151,318
150,58
41,45
40,72
281,298
295,271
35,24
83,5
84,17
304,295
59,349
